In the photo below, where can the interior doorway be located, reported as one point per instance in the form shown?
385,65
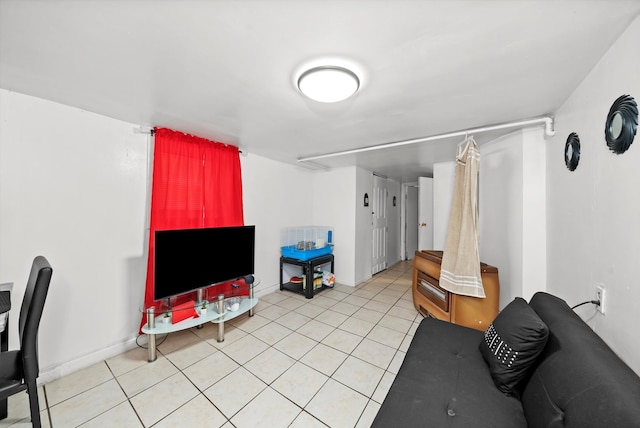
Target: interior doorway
417,217
410,220
425,213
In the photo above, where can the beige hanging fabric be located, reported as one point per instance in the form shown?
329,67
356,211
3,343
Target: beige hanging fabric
460,269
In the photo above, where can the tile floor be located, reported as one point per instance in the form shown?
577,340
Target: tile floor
326,361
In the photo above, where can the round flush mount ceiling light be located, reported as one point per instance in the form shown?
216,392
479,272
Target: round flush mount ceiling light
328,83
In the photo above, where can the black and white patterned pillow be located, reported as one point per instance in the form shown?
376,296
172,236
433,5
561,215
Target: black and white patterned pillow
511,344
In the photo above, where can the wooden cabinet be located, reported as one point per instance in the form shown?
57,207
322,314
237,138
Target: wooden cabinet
432,300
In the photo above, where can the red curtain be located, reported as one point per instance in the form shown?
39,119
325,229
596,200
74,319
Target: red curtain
196,183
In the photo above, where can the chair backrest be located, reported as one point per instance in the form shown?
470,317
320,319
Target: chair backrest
35,295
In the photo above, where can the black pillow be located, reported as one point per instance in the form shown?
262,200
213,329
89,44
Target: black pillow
511,345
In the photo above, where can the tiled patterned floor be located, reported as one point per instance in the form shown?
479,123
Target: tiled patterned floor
326,361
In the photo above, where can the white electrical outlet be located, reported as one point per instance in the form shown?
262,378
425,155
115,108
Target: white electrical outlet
601,296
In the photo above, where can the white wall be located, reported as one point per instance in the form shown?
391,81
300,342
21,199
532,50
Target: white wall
275,196
394,238
512,212
500,212
534,212
334,205
443,179
73,187
592,213
363,217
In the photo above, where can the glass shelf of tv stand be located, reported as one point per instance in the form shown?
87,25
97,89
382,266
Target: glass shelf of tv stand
246,303
163,315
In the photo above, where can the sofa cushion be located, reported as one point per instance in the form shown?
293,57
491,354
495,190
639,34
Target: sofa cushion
579,381
511,345
444,382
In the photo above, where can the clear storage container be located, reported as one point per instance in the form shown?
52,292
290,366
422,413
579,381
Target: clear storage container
304,243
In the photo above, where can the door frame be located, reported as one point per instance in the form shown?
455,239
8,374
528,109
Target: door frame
404,227
425,213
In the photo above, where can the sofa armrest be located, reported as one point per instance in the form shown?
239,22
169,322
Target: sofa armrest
579,381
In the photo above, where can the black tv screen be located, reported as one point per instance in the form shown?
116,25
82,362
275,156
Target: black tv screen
188,259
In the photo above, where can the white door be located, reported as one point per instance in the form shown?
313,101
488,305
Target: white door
425,213
411,221
379,228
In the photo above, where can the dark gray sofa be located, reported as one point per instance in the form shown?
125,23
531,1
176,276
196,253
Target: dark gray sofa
576,382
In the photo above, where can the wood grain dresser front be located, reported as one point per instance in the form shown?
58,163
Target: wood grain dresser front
432,300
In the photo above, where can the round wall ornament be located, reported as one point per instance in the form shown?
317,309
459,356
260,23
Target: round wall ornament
572,151
622,123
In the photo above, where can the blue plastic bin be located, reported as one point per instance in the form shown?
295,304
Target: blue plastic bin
291,252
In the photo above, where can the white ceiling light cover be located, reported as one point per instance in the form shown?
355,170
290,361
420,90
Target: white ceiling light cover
328,84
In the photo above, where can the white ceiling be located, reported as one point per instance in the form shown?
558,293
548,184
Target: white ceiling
225,70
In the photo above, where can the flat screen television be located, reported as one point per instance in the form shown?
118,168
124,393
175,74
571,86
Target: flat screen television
189,259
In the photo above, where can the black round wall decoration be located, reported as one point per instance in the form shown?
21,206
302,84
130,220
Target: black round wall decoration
572,151
622,123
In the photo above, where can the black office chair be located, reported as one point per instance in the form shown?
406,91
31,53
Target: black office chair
19,369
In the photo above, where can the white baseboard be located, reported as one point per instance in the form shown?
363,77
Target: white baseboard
262,291
51,373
